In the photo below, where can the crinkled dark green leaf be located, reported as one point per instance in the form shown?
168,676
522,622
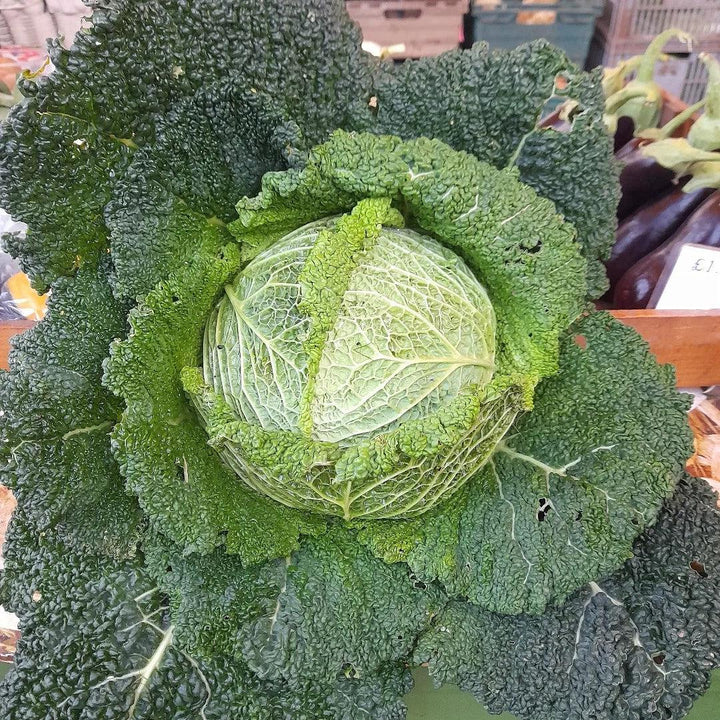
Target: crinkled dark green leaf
56,418
556,164
97,642
107,95
210,150
329,609
162,449
496,100
568,489
640,644
55,171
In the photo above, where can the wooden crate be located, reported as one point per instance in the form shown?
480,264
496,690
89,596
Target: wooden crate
422,27
688,339
8,329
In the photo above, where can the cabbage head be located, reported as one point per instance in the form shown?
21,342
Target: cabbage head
342,332
352,367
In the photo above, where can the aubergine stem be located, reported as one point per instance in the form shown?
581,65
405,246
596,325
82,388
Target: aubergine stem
646,68
611,115
705,132
671,126
679,155
613,81
618,99
641,98
614,77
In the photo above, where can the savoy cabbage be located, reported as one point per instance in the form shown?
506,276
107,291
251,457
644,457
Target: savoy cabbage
320,394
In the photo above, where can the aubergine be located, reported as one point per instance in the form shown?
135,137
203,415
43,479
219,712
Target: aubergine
702,227
650,226
641,179
624,132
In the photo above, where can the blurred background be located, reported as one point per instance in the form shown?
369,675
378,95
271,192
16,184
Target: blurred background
592,32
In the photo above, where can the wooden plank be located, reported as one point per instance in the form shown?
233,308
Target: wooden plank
689,339
7,330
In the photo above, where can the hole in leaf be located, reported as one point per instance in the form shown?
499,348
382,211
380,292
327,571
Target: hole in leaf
175,299
659,659
579,515
417,582
561,81
544,508
699,568
220,347
580,341
181,472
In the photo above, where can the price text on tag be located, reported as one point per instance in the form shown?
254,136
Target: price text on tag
694,281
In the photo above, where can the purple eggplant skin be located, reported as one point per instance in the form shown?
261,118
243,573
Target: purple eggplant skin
649,227
702,227
623,132
554,121
641,178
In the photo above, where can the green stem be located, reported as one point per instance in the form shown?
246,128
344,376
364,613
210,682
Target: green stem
619,98
646,67
669,128
705,133
712,93
614,78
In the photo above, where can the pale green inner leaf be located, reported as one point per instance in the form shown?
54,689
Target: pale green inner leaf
414,329
253,352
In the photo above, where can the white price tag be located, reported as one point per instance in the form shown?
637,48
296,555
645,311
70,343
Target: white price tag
694,281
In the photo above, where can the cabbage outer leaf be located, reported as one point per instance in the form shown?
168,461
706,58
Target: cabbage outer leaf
56,420
640,643
568,489
163,453
99,637
295,620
